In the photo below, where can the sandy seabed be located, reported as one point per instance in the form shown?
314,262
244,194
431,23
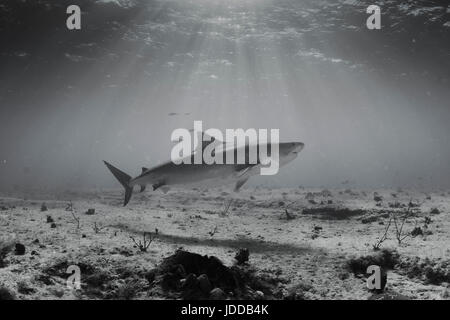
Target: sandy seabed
303,243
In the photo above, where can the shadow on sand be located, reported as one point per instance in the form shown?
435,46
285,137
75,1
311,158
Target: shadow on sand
254,245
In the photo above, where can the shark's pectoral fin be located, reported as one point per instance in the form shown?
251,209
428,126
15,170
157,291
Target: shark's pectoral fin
240,183
245,170
158,185
165,189
161,185
142,188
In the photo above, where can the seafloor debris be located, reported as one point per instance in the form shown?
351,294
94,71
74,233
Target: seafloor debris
5,248
429,271
19,250
316,232
184,275
417,231
6,294
435,211
386,259
187,275
390,295
285,264
24,288
217,294
298,291
370,219
242,256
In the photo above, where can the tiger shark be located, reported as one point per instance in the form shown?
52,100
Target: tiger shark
169,174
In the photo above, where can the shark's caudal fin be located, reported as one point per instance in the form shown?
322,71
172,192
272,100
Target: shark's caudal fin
124,180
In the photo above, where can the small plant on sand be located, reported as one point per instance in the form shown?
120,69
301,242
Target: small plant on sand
143,245
227,205
76,219
70,209
398,219
399,223
289,216
128,290
69,206
44,207
97,228
213,231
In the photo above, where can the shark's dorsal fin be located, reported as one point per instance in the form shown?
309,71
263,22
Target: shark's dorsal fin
204,143
203,135
208,142
144,169
211,139
142,188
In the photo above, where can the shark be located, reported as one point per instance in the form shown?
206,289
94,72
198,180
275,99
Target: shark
169,174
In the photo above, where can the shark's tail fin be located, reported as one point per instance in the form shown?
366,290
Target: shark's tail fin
124,180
